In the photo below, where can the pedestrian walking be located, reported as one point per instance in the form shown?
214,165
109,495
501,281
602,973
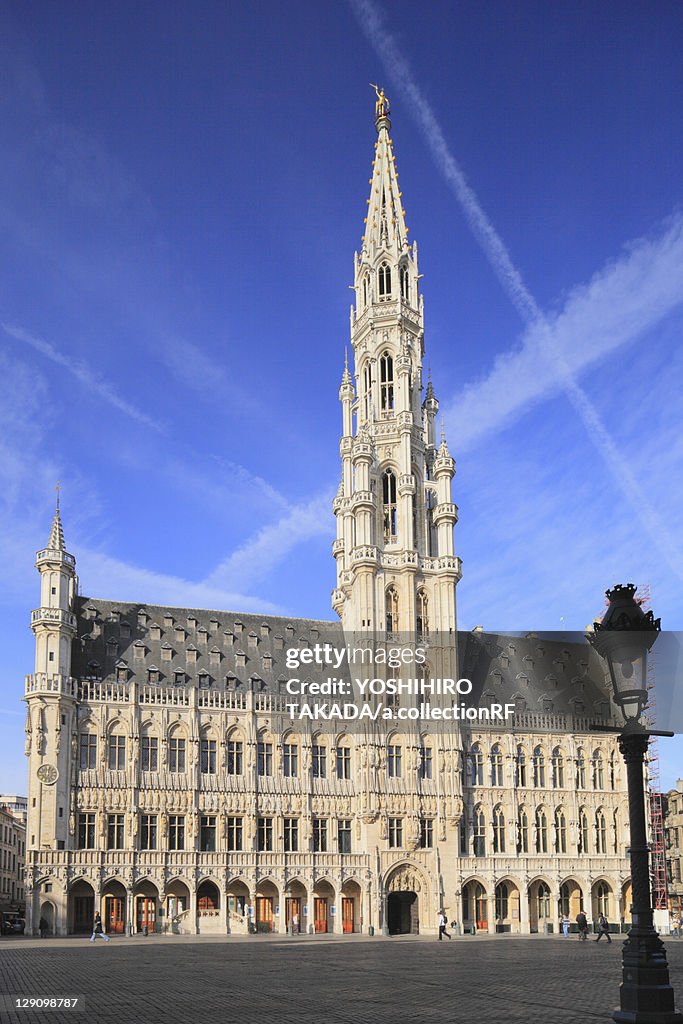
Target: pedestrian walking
295,924
98,930
42,927
443,921
675,926
603,928
582,925
565,926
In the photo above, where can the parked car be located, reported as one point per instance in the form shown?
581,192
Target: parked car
12,924
18,925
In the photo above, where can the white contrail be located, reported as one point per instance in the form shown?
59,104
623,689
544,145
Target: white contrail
370,19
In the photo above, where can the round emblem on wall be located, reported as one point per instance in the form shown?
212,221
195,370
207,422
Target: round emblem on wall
48,774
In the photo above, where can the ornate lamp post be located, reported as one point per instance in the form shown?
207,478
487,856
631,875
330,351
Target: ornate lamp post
623,639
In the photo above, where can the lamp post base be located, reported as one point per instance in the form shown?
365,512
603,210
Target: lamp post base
647,996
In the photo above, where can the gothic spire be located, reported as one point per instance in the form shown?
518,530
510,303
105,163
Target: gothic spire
56,541
385,226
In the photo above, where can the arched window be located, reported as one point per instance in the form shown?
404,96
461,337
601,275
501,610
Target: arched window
541,831
600,832
539,768
367,391
502,897
558,769
520,768
602,894
598,770
523,832
386,382
476,766
431,545
498,829
496,765
389,507
616,831
405,284
580,769
560,831
584,834
365,292
384,281
543,900
392,609
565,899
479,827
612,770
422,614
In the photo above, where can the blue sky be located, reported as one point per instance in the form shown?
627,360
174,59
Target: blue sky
181,192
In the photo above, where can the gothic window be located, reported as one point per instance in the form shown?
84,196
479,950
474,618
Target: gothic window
320,835
207,749
394,761
543,900
235,833
496,765
264,759
463,836
580,769
290,760
541,831
539,768
365,292
476,766
560,831
319,761
344,835
422,614
502,897
603,899
584,835
86,830
612,770
235,757
343,762
405,284
598,770
426,833
558,769
367,391
600,832
479,832
207,833
176,832
425,769
391,599
117,752
88,751
431,544
386,382
291,835
384,281
149,754
264,835
115,831
176,754
522,839
389,507
395,832
498,830
520,768
615,831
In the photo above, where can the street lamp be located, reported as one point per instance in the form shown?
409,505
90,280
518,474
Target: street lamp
624,638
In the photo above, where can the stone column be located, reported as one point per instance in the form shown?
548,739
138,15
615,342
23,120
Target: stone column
524,924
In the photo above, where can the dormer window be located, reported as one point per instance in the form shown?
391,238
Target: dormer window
125,630
253,639
405,284
179,677
166,651
215,656
179,634
384,281
153,674
204,680
121,673
155,631
386,379
265,629
191,654
168,621
202,634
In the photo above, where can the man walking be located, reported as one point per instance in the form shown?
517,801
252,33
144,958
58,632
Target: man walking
442,926
603,926
98,930
582,925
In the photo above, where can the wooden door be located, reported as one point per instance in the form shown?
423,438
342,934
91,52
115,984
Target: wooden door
347,915
320,913
146,913
114,915
264,913
481,909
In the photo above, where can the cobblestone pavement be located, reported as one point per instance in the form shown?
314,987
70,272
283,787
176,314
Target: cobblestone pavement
535,980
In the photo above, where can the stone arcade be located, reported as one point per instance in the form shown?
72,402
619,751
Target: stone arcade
168,789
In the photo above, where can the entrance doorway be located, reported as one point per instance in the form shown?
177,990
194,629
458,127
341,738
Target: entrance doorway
114,915
145,913
348,922
402,913
82,908
292,911
320,913
264,913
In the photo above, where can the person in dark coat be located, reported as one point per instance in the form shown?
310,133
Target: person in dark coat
582,925
603,928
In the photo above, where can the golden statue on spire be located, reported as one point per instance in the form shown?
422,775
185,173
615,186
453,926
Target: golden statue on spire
382,104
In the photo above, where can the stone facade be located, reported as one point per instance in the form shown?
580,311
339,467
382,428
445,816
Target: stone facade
12,862
673,837
169,789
